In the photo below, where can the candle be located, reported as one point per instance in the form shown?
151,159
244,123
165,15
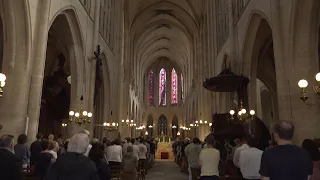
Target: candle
27,126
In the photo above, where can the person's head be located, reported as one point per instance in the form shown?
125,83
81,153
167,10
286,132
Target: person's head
60,136
51,137
129,149
78,143
210,140
95,141
133,141
252,141
7,142
39,136
226,141
141,140
283,131
196,140
243,140
312,148
237,141
44,145
84,131
128,139
22,139
104,140
53,146
96,152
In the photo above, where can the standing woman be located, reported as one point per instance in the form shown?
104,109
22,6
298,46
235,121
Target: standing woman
22,151
314,152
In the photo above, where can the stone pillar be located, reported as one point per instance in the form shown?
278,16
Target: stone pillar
92,67
38,56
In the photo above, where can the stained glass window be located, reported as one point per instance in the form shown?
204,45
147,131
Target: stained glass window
182,88
162,87
174,87
151,88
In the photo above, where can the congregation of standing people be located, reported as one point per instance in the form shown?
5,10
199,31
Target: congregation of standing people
77,158
242,159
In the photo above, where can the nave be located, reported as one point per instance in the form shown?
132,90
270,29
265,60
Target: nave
166,170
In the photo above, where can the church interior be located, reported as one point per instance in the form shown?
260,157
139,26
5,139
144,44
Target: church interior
160,69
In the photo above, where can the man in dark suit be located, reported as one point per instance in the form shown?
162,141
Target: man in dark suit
10,165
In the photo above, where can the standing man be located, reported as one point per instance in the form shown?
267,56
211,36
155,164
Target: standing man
35,149
285,161
10,164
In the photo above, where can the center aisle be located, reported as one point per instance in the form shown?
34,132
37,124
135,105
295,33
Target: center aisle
166,170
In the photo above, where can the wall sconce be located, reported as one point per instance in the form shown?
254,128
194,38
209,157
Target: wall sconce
178,133
64,125
303,84
146,133
2,83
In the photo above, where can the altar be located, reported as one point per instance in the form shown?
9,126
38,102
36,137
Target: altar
164,151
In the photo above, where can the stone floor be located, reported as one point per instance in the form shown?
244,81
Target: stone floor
166,170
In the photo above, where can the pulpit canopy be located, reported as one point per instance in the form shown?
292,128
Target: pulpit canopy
226,81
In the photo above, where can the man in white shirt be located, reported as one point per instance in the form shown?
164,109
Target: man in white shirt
142,150
236,155
209,160
126,145
249,161
114,153
135,147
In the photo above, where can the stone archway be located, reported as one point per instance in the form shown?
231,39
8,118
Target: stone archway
175,123
150,125
162,126
259,66
67,34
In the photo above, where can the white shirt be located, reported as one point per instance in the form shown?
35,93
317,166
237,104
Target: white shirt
249,163
135,148
236,155
88,150
54,154
142,151
125,147
114,153
209,161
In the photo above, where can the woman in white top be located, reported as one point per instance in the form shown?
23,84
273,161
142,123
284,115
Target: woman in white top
209,160
114,153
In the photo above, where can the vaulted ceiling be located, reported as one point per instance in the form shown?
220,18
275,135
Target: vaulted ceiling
163,28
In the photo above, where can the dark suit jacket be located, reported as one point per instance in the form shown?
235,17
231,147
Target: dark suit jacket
10,166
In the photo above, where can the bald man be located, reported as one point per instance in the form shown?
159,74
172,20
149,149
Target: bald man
285,161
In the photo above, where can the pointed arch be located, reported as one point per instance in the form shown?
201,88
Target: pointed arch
151,88
174,87
162,125
150,125
162,87
175,126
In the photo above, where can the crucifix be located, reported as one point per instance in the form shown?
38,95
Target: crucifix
98,79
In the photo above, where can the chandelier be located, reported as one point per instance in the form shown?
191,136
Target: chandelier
110,126
303,84
2,83
128,122
140,128
242,114
80,117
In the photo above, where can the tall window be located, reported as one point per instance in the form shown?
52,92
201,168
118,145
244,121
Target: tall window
174,87
151,88
182,88
162,87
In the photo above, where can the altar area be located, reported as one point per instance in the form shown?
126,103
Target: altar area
164,151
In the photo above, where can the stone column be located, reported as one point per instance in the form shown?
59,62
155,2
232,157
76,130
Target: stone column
38,56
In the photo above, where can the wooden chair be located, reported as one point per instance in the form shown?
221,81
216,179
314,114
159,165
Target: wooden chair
142,166
116,171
